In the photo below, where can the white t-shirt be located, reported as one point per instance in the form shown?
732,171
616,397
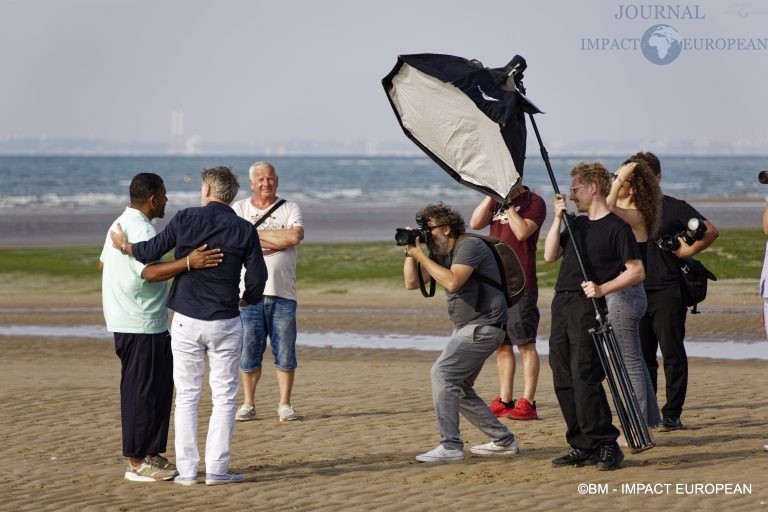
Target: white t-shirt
281,265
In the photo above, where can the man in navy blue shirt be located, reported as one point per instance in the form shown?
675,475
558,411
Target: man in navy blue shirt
207,318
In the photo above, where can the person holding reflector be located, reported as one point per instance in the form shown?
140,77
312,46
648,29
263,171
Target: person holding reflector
614,263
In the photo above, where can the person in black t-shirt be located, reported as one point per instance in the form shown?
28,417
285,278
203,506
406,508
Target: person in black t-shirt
663,325
612,261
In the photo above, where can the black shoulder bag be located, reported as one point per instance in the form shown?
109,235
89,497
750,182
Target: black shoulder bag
695,276
268,213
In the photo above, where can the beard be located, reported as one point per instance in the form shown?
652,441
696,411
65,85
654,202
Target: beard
440,245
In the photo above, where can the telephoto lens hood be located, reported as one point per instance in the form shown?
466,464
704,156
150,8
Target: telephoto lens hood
762,177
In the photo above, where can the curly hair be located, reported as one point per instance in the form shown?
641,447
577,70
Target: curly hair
646,193
444,214
649,158
594,173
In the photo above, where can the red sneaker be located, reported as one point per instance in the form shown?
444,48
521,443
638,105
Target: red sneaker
524,410
499,409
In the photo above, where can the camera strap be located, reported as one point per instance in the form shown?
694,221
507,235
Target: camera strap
422,284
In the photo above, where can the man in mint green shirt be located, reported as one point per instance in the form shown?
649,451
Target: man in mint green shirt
133,299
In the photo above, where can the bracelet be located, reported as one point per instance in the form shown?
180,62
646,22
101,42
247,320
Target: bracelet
122,248
188,269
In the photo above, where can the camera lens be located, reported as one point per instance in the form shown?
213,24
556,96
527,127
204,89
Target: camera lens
762,177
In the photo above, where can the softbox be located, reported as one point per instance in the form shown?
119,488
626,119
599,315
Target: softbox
467,118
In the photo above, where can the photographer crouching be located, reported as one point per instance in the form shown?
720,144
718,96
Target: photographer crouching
479,314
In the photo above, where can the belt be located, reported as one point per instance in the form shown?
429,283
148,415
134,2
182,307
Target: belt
567,292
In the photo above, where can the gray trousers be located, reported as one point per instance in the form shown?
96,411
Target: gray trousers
453,376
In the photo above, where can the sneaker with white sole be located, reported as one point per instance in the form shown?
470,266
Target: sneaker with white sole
287,413
492,448
185,480
163,463
227,478
150,470
441,454
246,413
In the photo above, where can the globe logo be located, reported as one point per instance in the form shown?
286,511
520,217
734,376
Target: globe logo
661,44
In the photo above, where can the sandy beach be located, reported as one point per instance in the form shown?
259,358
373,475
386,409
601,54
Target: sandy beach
367,413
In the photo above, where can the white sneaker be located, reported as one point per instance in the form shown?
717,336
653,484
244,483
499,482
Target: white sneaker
286,413
492,448
441,454
246,413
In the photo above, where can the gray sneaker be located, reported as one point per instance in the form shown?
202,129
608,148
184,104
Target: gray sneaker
246,413
227,478
185,480
150,470
163,463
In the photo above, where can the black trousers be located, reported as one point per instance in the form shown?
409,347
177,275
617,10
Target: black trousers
146,391
663,326
578,374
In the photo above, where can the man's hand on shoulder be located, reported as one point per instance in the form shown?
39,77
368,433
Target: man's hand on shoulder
120,241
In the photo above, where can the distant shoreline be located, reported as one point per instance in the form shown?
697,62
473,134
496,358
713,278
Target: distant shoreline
332,222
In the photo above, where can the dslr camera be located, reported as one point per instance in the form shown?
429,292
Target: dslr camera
404,236
695,231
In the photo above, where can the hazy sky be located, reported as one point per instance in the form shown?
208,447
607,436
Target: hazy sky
271,71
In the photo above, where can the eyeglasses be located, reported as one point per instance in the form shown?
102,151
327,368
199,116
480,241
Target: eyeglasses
573,189
437,226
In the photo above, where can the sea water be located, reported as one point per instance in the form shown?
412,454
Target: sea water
102,181
709,349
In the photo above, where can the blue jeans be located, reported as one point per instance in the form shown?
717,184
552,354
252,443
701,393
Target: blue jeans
625,309
273,317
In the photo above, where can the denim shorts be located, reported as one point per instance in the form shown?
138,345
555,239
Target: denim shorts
273,317
523,320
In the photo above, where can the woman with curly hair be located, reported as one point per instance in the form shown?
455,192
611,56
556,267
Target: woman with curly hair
635,197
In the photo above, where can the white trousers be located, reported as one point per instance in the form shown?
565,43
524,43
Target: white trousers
222,341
